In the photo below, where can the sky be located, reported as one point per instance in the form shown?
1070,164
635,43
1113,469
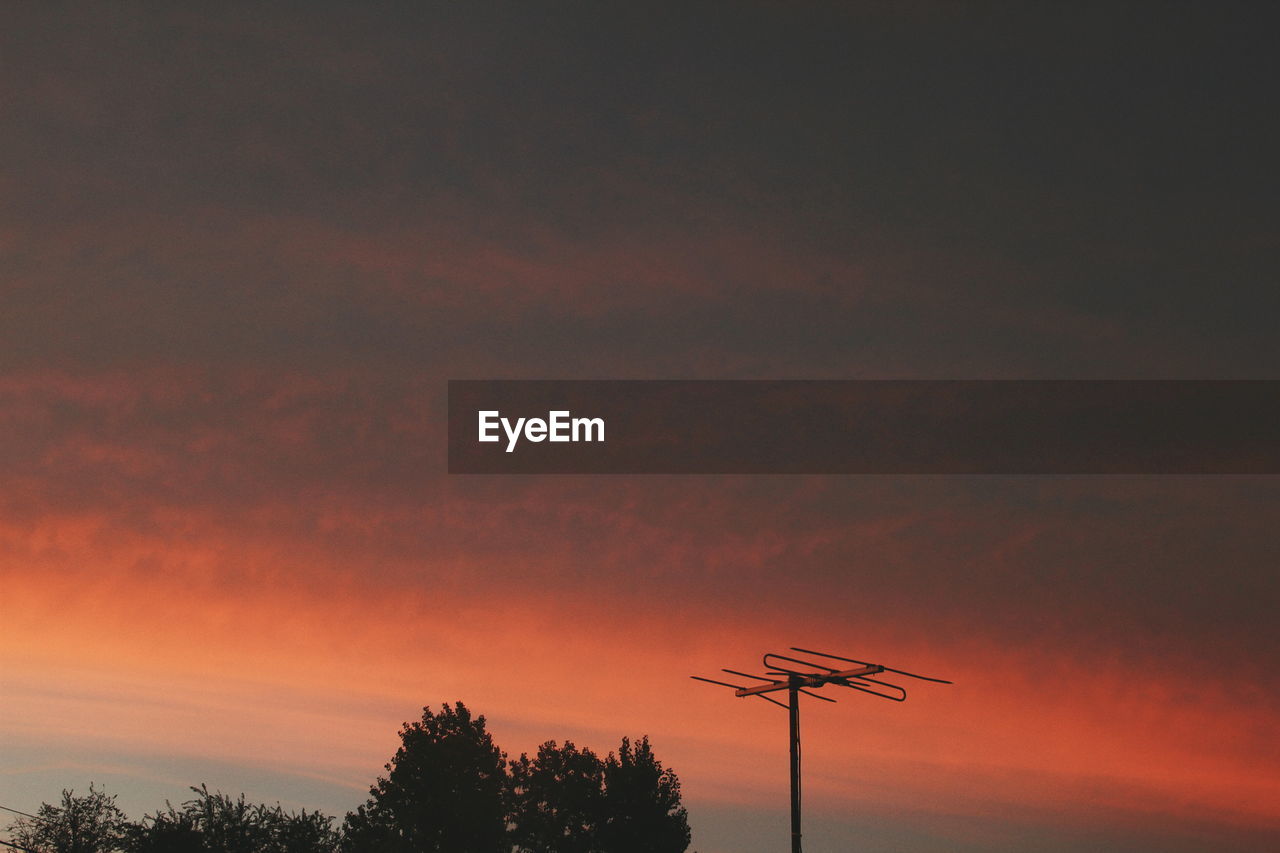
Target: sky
243,249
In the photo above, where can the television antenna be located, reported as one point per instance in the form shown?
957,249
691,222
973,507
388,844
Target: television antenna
798,675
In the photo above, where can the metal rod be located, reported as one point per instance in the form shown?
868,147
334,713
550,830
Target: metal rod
738,687
807,680
886,669
773,681
793,690
713,681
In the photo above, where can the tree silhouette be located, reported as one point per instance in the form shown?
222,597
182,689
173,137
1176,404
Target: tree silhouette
557,800
642,803
567,800
228,826
170,831
444,791
216,823
88,824
305,832
448,789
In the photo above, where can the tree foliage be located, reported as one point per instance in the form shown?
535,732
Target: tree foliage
642,802
87,824
170,831
567,800
557,800
211,822
444,791
214,822
448,789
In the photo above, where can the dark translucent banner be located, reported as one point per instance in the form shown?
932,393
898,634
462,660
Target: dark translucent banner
864,427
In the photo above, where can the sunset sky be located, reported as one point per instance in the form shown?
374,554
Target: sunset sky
242,251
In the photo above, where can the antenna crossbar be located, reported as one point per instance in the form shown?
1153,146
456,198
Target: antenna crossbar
815,680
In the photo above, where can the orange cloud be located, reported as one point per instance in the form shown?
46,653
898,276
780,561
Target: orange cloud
244,570
273,669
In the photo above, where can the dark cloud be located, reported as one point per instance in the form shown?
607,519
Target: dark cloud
1024,190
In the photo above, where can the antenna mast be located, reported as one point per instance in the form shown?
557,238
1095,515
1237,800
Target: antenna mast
796,676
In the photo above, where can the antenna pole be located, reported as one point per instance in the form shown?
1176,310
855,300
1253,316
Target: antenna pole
781,674
793,706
